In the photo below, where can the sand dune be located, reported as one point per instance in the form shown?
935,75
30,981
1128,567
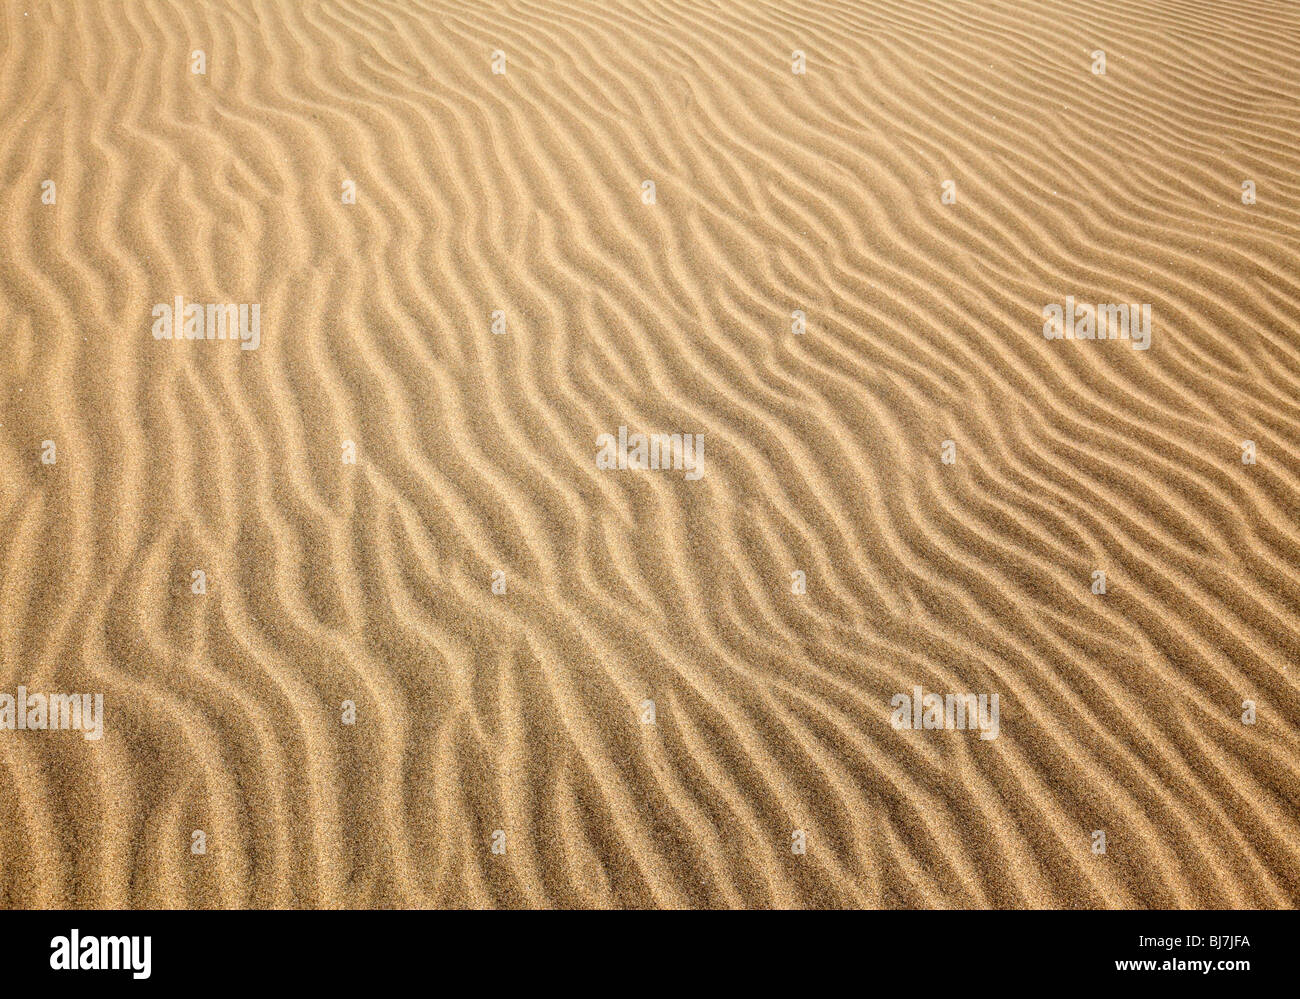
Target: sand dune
503,291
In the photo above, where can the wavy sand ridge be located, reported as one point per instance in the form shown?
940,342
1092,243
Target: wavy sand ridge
521,192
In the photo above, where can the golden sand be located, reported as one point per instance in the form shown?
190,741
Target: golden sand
499,154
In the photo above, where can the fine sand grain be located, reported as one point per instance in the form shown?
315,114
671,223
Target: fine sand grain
517,198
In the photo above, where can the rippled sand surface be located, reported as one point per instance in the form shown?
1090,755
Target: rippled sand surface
503,752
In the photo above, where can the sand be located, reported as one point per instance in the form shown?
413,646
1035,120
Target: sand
496,606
